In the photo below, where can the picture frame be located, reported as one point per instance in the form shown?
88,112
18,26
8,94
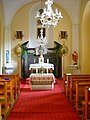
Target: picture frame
63,34
19,34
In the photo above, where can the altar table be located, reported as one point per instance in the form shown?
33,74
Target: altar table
47,66
42,81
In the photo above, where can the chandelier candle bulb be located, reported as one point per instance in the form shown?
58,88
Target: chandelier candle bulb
56,11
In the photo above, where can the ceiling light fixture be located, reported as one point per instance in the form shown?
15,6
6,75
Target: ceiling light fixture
47,16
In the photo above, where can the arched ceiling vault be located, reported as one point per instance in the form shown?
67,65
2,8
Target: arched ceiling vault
11,6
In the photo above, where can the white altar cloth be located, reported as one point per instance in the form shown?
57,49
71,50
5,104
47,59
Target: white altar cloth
41,65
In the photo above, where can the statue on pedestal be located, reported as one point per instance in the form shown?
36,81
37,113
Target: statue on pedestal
75,57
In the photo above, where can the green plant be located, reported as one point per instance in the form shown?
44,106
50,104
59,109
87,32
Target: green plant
24,49
60,49
57,48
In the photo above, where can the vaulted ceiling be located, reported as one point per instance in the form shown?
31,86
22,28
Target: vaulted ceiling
10,6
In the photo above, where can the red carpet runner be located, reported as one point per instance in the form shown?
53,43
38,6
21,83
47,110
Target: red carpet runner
42,105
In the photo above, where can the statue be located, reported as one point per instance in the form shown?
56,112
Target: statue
75,57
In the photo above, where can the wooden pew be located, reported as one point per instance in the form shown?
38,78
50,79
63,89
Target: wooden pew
68,77
10,91
14,83
4,98
72,88
80,93
65,80
0,112
86,103
18,82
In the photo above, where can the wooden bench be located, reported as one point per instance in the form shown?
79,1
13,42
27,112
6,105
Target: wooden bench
4,98
65,80
72,87
68,77
10,91
80,93
86,103
14,83
18,82
0,112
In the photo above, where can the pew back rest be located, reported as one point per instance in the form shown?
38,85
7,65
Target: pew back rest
15,78
0,112
87,94
80,92
78,80
72,85
81,85
67,77
3,94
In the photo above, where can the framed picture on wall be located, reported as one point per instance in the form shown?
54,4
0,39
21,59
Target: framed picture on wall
19,35
39,32
63,34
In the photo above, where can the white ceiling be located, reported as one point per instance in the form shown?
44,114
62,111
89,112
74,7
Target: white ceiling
72,7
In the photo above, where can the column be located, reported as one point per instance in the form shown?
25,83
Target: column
76,43
75,39
7,43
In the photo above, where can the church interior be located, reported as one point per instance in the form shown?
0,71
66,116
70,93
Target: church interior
44,61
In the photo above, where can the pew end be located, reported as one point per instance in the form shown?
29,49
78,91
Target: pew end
0,112
4,99
86,104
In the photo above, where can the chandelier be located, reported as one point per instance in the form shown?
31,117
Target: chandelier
47,17
42,41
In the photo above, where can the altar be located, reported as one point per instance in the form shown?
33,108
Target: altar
42,81
41,66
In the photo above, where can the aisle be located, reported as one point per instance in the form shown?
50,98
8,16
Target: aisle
42,105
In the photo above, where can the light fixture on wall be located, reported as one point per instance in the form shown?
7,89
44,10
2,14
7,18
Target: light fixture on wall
47,16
